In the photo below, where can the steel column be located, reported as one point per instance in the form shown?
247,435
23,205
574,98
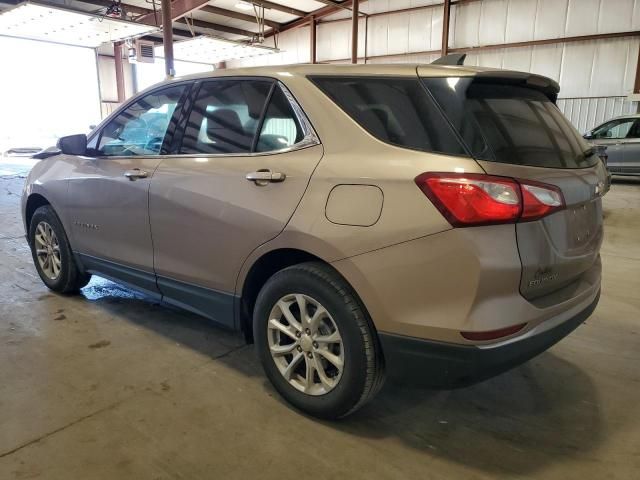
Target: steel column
354,31
636,86
445,26
167,38
117,54
312,40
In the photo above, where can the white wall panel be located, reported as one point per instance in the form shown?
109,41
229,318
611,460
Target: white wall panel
635,16
575,75
518,59
398,33
465,22
587,113
615,15
520,20
436,28
420,30
547,60
582,17
493,21
550,19
608,72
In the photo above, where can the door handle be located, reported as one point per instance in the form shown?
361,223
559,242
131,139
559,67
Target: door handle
264,176
135,174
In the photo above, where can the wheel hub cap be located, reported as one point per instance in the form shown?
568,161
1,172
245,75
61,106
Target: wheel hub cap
305,344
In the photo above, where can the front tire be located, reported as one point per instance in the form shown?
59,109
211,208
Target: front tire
316,342
52,254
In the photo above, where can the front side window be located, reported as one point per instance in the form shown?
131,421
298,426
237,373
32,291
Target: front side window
615,129
225,116
141,128
280,128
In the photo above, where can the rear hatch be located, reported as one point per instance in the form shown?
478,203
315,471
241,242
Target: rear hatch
509,122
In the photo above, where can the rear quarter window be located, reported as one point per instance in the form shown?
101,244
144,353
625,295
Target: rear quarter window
395,110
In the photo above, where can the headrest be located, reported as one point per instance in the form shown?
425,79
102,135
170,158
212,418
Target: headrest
223,118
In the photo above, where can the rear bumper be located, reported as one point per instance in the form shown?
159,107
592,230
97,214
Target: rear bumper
439,364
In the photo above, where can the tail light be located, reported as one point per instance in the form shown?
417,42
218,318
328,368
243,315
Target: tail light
476,199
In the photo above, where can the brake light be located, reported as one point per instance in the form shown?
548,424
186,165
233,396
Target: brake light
474,199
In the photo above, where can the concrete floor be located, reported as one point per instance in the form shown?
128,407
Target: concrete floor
110,385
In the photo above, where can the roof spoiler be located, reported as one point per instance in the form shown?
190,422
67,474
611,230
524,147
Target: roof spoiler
451,59
546,85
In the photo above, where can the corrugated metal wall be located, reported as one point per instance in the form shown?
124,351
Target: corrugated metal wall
592,73
586,113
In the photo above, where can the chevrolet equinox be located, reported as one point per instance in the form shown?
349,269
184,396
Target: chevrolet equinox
433,223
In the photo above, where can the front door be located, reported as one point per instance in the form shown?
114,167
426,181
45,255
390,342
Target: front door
108,194
612,135
239,174
631,155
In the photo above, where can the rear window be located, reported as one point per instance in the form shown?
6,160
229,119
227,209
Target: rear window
396,110
510,123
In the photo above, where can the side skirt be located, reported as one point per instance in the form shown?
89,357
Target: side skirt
212,304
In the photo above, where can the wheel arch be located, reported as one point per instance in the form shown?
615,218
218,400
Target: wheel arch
263,268
34,201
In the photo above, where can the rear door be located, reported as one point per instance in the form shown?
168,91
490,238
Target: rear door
514,129
241,168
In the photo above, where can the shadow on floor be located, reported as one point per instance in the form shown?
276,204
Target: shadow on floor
517,423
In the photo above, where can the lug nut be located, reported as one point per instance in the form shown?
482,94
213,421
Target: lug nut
307,331
298,334
310,355
299,348
315,344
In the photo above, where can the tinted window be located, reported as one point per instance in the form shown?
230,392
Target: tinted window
510,123
281,128
395,110
225,116
616,129
141,128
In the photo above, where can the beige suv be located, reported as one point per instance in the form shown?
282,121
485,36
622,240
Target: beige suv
436,223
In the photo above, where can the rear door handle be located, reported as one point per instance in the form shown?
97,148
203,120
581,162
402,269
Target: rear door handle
265,176
135,174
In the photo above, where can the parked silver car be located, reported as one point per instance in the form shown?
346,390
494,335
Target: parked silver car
620,140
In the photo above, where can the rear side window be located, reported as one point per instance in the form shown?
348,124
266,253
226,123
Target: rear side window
396,110
225,116
280,128
510,123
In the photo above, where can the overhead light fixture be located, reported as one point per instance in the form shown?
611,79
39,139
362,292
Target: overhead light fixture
242,5
34,21
211,50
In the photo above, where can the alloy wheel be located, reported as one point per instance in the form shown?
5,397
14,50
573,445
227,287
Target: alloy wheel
305,344
48,251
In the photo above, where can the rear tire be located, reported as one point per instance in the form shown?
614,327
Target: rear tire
52,254
332,365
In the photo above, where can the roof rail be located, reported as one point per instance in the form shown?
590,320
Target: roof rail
451,59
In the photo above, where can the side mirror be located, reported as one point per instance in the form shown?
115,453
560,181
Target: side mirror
588,136
73,144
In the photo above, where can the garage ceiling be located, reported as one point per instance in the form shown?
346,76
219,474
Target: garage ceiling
59,25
